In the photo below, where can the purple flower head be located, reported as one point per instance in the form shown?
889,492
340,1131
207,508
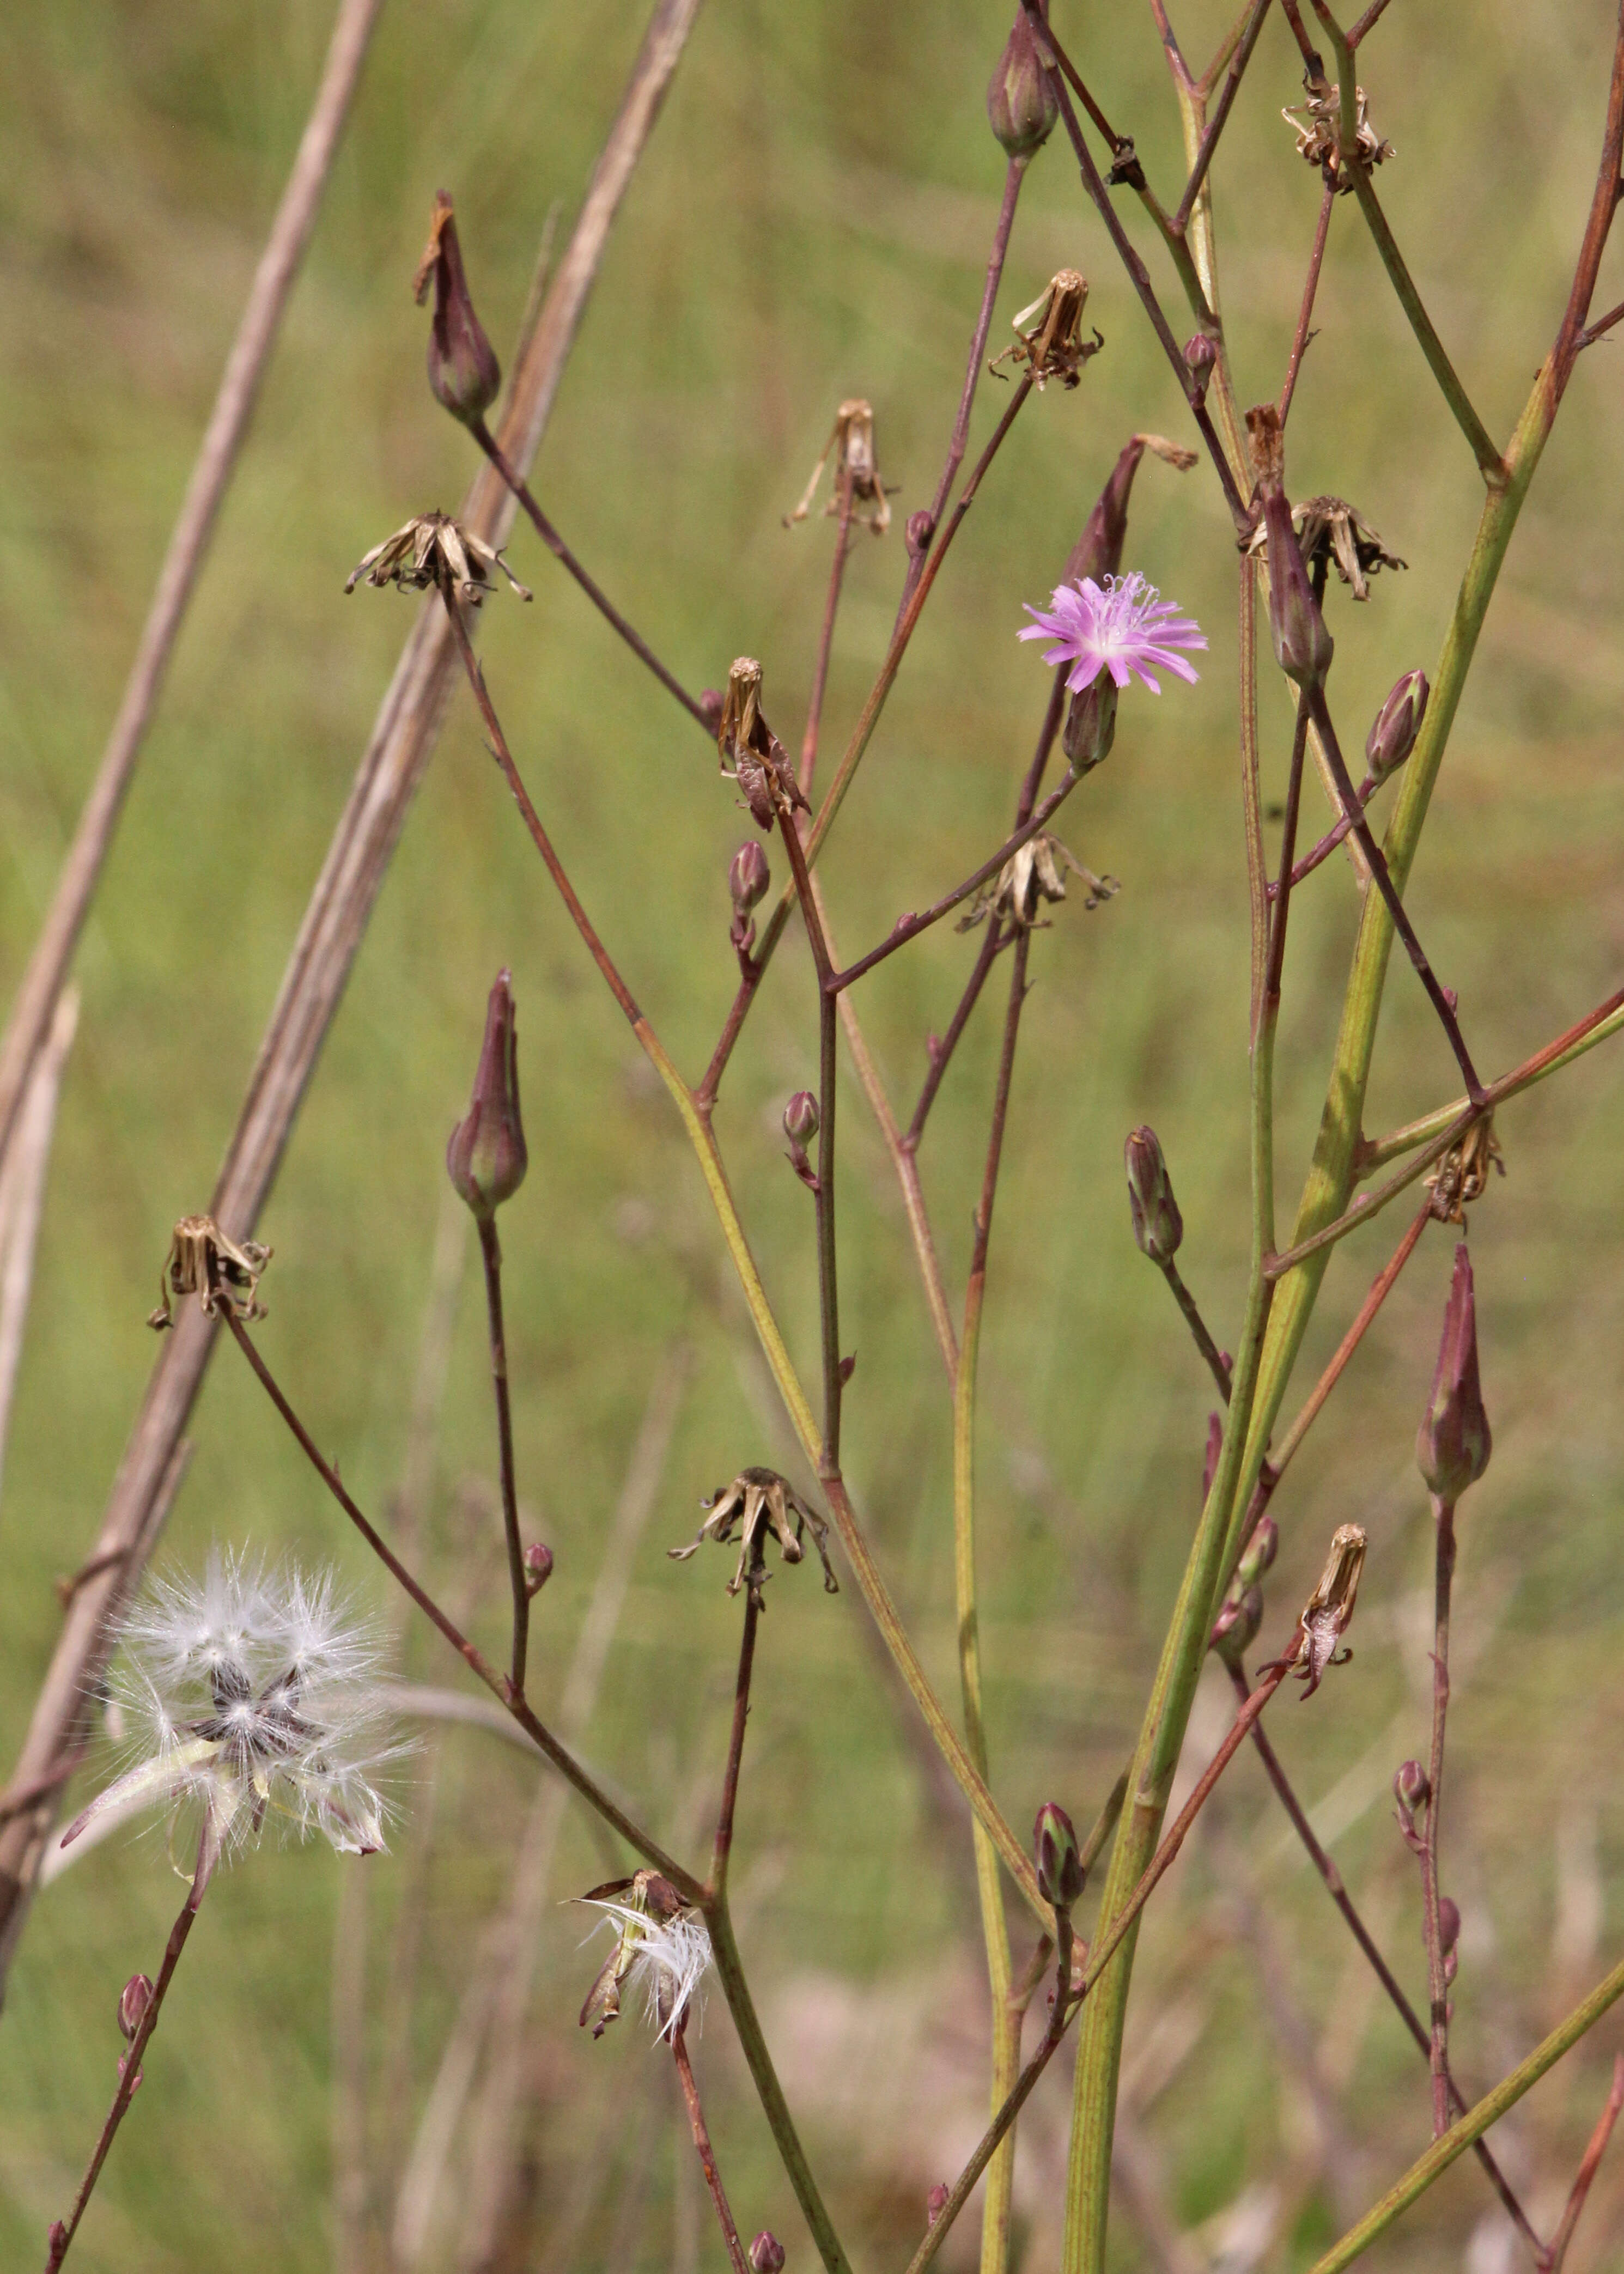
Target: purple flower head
1123,626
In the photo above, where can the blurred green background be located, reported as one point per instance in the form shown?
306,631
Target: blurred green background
810,222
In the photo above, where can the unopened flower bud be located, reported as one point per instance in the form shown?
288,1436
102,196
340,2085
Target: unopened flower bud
936,2202
1303,646
537,1567
464,371
918,530
749,877
1234,1629
767,2253
1090,723
1449,1925
800,1126
1410,1788
1157,1224
711,700
486,1157
1398,722
1021,102
1258,1553
1201,354
1453,1443
1059,1860
132,2004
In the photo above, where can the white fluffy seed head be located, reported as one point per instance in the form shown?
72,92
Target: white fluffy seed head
669,1958
254,1691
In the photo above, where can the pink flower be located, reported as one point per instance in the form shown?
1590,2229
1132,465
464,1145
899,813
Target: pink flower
1123,626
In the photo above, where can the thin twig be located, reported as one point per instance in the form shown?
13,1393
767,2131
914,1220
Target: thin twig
828,1269
707,2154
1310,286
490,1250
1219,118
826,636
1443,1515
1550,2261
1197,1327
940,1051
722,1848
62,2233
1381,1288
211,475
594,591
23,1166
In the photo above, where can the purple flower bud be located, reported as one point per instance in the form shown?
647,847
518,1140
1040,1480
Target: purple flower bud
1201,354
1260,1552
801,1121
918,530
464,371
537,1567
1059,1860
132,2004
1157,1224
1410,1788
711,702
748,878
1448,1924
1234,1629
486,1157
1090,723
1021,102
936,2202
1098,551
767,2253
1453,1443
1398,722
1303,646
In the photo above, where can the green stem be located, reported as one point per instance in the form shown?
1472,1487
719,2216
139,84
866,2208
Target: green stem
1471,2127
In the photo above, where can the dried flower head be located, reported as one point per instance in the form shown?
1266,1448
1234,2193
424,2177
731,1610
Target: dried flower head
748,750
254,1692
761,1502
662,1947
1123,627
1049,335
1327,1613
1330,531
1034,873
1319,133
1462,1176
851,444
463,372
202,1261
432,548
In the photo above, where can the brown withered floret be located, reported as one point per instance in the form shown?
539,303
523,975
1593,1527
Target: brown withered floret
748,750
1049,335
1314,1647
1319,133
1462,1176
1034,873
852,445
219,1272
432,548
760,1501
1330,531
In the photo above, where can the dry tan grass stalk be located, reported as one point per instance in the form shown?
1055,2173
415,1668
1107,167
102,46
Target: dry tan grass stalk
22,1195
401,740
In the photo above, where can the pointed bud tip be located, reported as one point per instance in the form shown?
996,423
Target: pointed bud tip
1398,722
134,2002
464,371
537,1567
1158,1226
486,1156
1454,1441
1059,1859
767,2253
1021,102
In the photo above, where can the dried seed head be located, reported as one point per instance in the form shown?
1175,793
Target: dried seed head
1234,1629
464,371
1319,133
1328,1611
1157,1224
767,2253
1260,1552
662,1947
432,548
1463,1175
763,1505
537,1567
222,1273
134,2002
1059,1858
486,1156
1303,646
851,444
1021,102
1035,874
1393,736
749,752
1454,1441
1050,334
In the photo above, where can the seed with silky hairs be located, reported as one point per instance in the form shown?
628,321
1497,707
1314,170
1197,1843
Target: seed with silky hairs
1059,1859
1021,102
1454,1442
1157,1224
767,2253
132,2004
1398,722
